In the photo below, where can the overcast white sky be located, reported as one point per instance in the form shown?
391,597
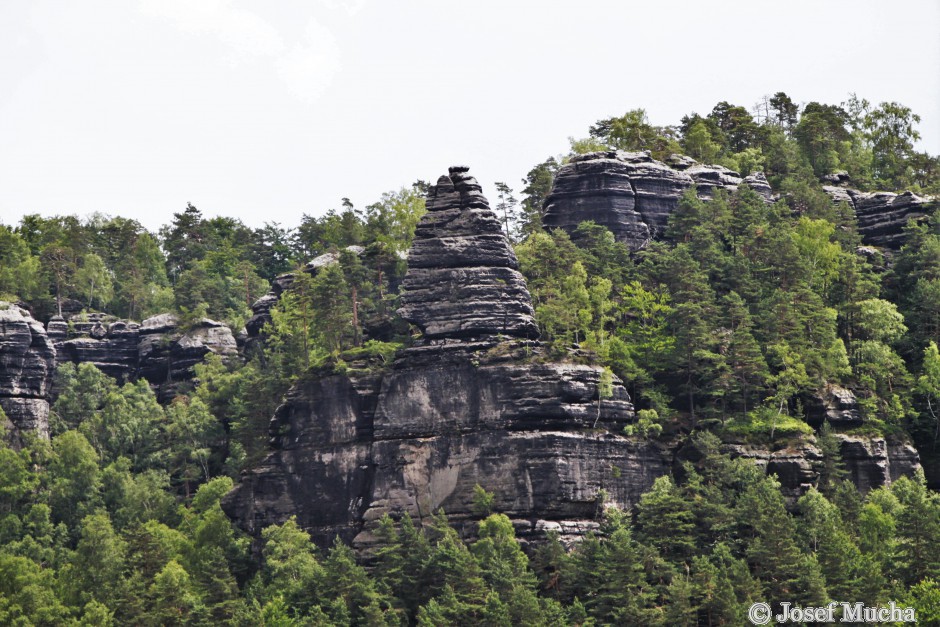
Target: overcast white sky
268,110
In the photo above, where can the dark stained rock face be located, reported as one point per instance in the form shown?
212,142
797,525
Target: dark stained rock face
349,449
596,187
632,194
156,350
27,361
475,402
882,216
876,462
108,343
463,279
835,404
168,354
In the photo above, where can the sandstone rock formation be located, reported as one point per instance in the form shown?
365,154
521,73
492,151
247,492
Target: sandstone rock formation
632,194
167,354
835,404
27,360
870,462
156,350
881,216
475,402
463,278
596,187
875,462
108,343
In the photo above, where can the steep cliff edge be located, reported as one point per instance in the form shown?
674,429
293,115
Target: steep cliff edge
632,195
475,402
158,349
27,360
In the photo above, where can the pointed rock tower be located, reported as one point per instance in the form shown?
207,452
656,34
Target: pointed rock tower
463,279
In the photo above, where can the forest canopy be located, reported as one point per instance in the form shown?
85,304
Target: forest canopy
725,329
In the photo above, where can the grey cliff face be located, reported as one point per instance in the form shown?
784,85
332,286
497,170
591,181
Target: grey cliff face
463,279
108,343
632,194
27,361
474,402
348,450
156,350
881,216
168,354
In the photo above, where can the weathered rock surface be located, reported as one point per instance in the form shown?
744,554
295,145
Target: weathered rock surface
881,216
108,343
797,468
27,360
632,194
448,417
475,402
155,350
875,462
871,462
835,404
463,279
596,187
167,354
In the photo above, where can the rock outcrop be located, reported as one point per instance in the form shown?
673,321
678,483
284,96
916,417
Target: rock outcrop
475,401
463,278
27,361
881,216
596,187
156,350
871,462
632,194
834,404
108,343
876,462
168,354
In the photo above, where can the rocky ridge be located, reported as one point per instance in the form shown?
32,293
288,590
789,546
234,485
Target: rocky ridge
881,216
632,195
157,349
474,402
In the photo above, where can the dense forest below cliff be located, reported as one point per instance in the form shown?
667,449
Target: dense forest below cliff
730,326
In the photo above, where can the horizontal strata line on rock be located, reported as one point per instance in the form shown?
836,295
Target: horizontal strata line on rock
516,431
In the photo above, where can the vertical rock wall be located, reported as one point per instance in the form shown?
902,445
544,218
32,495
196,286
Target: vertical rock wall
27,361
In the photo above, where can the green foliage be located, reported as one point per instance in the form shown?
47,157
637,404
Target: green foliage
632,131
482,501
